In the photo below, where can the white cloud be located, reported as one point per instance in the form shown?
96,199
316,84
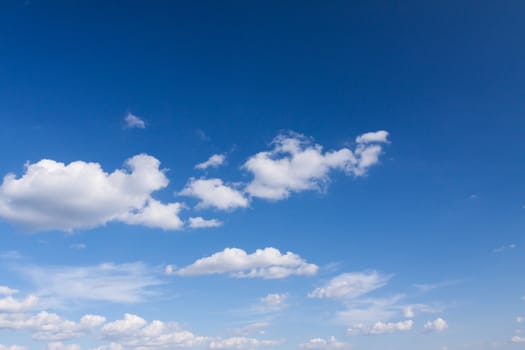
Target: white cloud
520,319
10,304
369,310
517,339
267,263
255,327
325,344
199,222
132,121
274,302
438,325
116,283
411,310
214,193
380,328
370,137
49,326
78,246
351,285
57,196
213,162
296,164
427,287
134,332
12,347
243,343
503,248
61,346
5,290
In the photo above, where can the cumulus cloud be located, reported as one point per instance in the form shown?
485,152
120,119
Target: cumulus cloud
214,193
380,328
517,339
50,326
351,285
134,332
297,164
267,263
116,283
132,121
55,196
438,325
243,343
199,222
273,302
214,161
324,344
10,304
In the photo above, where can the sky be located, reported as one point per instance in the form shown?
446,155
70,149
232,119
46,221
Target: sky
262,175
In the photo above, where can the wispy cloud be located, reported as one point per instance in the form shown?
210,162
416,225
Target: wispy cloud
214,161
133,121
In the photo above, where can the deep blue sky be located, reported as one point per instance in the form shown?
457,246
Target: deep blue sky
444,205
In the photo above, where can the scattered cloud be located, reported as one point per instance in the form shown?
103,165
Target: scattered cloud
267,263
297,164
78,246
412,310
243,343
199,222
115,283
273,302
517,339
214,161
380,328
134,122
214,193
57,196
10,304
251,328
134,332
61,346
438,325
351,285
503,248
324,344
5,290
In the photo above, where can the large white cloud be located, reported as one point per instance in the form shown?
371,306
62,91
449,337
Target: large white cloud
55,196
242,343
214,193
324,344
297,164
351,285
268,263
380,328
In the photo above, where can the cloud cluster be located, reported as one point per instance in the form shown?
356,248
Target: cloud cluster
297,164
324,344
267,263
55,196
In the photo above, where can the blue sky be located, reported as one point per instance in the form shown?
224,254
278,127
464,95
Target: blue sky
262,175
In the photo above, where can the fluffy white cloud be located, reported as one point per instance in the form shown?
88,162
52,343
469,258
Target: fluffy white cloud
243,343
134,332
213,162
117,283
199,222
10,304
380,328
57,196
267,263
322,344
517,339
351,285
132,121
438,325
214,193
273,302
49,326
297,164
